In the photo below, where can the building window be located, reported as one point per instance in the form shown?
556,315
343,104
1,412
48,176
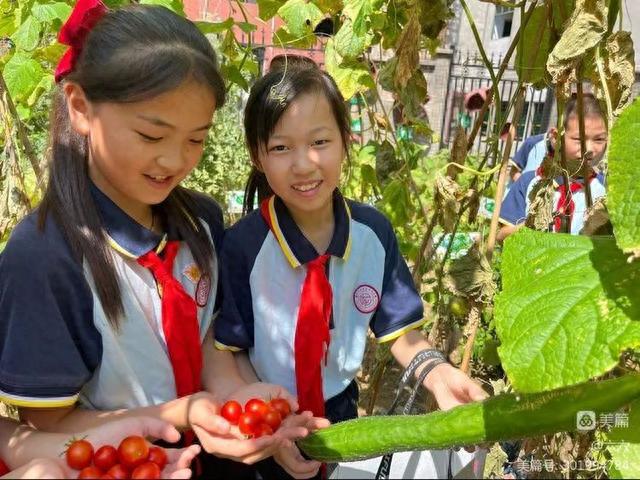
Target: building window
502,22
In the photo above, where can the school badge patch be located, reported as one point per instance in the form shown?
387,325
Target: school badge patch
366,298
192,272
202,290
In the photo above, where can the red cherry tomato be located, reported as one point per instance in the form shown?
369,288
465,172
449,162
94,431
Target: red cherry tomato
90,472
231,411
257,406
79,454
158,456
282,406
105,457
3,468
272,418
147,470
133,451
118,472
249,423
263,430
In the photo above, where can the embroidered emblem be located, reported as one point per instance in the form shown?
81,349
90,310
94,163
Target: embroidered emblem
202,290
366,298
192,272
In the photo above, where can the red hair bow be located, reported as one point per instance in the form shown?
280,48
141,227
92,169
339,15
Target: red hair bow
84,16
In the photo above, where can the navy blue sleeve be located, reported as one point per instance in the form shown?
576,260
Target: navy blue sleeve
49,346
233,327
400,308
514,205
521,156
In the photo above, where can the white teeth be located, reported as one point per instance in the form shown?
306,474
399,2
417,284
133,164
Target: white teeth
307,187
158,177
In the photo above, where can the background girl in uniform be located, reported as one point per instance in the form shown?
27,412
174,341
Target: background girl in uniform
108,290
309,273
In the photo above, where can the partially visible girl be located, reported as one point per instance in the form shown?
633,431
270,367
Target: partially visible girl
308,274
108,289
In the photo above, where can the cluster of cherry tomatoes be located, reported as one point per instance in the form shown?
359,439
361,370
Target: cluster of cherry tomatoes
259,418
133,459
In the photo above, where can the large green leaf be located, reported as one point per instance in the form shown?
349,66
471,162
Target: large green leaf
22,74
174,5
301,18
48,12
624,191
348,43
533,49
359,11
569,306
268,8
27,36
351,77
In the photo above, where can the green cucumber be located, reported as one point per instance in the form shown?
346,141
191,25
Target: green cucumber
503,417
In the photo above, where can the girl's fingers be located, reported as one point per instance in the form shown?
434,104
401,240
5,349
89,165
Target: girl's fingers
182,473
214,424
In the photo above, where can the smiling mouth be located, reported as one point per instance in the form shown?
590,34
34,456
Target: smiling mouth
306,187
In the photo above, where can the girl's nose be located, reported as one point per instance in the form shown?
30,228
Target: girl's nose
304,161
171,161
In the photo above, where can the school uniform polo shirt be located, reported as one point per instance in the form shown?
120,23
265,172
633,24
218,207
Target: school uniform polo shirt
531,153
263,272
56,345
515,206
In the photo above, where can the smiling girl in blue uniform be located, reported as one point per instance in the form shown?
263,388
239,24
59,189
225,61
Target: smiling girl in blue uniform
307,274
108,290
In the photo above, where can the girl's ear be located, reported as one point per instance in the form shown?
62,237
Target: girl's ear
79,108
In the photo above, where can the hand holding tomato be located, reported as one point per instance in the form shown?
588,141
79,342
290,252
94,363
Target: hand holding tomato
106,439
266,391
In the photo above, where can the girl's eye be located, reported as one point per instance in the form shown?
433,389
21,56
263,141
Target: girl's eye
278,148
321,142
196,142
149,138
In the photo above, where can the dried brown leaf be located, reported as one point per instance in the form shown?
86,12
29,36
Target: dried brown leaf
540,214
471,276
597,221
407,51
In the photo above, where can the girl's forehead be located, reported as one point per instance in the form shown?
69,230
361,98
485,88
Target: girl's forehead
307,110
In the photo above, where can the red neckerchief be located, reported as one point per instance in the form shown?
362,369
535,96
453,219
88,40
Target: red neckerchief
179,321
566,205
312,336
83,18
3,468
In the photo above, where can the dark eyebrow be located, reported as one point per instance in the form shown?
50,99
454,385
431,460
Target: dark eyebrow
161,123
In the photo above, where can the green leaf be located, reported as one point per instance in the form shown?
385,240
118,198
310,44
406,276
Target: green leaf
247,27
414,95
359,11
7,25
329,6
623,200
268,8
585,29
533,49
350,76
45,84
348,43
232,73
27,36
569,307
301,18
173,5
434,15
48,12
22,74
215,27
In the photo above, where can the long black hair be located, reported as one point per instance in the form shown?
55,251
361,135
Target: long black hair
132,54
270,97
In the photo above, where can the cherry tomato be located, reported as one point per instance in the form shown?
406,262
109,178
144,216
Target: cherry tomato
79,454
133,451
3,468
118,472
272,418
231,411
105,457
249,423
158,456
263,430
106,476
282,406
257,406
147,470
90,472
